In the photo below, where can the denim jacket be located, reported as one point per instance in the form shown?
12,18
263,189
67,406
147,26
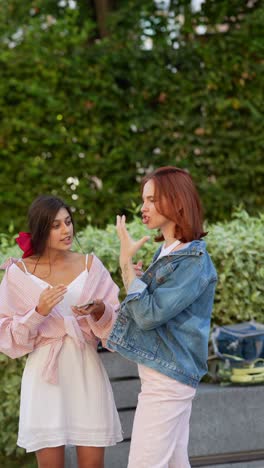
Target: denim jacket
164,321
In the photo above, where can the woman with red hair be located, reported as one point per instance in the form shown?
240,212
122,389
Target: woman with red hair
164,320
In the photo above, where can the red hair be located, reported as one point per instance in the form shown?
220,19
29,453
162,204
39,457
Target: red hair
177,200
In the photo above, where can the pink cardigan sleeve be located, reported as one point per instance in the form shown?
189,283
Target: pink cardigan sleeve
107,291
18,328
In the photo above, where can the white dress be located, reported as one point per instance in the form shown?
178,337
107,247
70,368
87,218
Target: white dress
80,409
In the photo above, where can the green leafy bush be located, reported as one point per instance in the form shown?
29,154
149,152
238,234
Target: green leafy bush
11,372
86,118
236,248
237,251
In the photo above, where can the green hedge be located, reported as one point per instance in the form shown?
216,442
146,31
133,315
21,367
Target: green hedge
86,118
237,251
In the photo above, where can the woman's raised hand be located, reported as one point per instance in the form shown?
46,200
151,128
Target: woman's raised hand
49,298
128,247
138,268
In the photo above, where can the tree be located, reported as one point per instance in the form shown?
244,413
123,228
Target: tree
86,117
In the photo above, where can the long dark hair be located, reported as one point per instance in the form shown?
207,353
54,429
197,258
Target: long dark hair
41,215
178,200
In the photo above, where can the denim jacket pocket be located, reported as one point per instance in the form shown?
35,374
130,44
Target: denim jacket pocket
144,345
163,272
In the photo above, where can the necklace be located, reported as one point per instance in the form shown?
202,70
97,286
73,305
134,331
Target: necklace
166,250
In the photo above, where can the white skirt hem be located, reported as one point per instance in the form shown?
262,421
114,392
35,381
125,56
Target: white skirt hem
68,440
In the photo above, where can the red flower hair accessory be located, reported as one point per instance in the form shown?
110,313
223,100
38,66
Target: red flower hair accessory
24,242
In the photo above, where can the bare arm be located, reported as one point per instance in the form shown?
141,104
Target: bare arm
128,248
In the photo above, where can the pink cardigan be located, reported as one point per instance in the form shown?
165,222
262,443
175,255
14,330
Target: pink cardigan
22,329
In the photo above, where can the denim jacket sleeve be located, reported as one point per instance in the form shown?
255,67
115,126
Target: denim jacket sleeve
179,290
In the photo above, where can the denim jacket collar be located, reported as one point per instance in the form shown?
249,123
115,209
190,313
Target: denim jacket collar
196,247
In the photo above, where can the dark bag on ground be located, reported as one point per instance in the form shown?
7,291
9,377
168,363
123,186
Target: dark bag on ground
241,348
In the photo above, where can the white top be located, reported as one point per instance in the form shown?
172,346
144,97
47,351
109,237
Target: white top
166,250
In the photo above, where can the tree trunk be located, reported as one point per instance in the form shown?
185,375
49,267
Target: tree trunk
102,8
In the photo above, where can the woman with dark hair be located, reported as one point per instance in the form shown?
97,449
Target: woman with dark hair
55,305
164,321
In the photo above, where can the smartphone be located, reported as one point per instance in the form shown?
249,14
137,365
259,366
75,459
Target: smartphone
85,305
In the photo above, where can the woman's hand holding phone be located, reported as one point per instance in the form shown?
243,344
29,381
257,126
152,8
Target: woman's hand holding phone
95,307
86,305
